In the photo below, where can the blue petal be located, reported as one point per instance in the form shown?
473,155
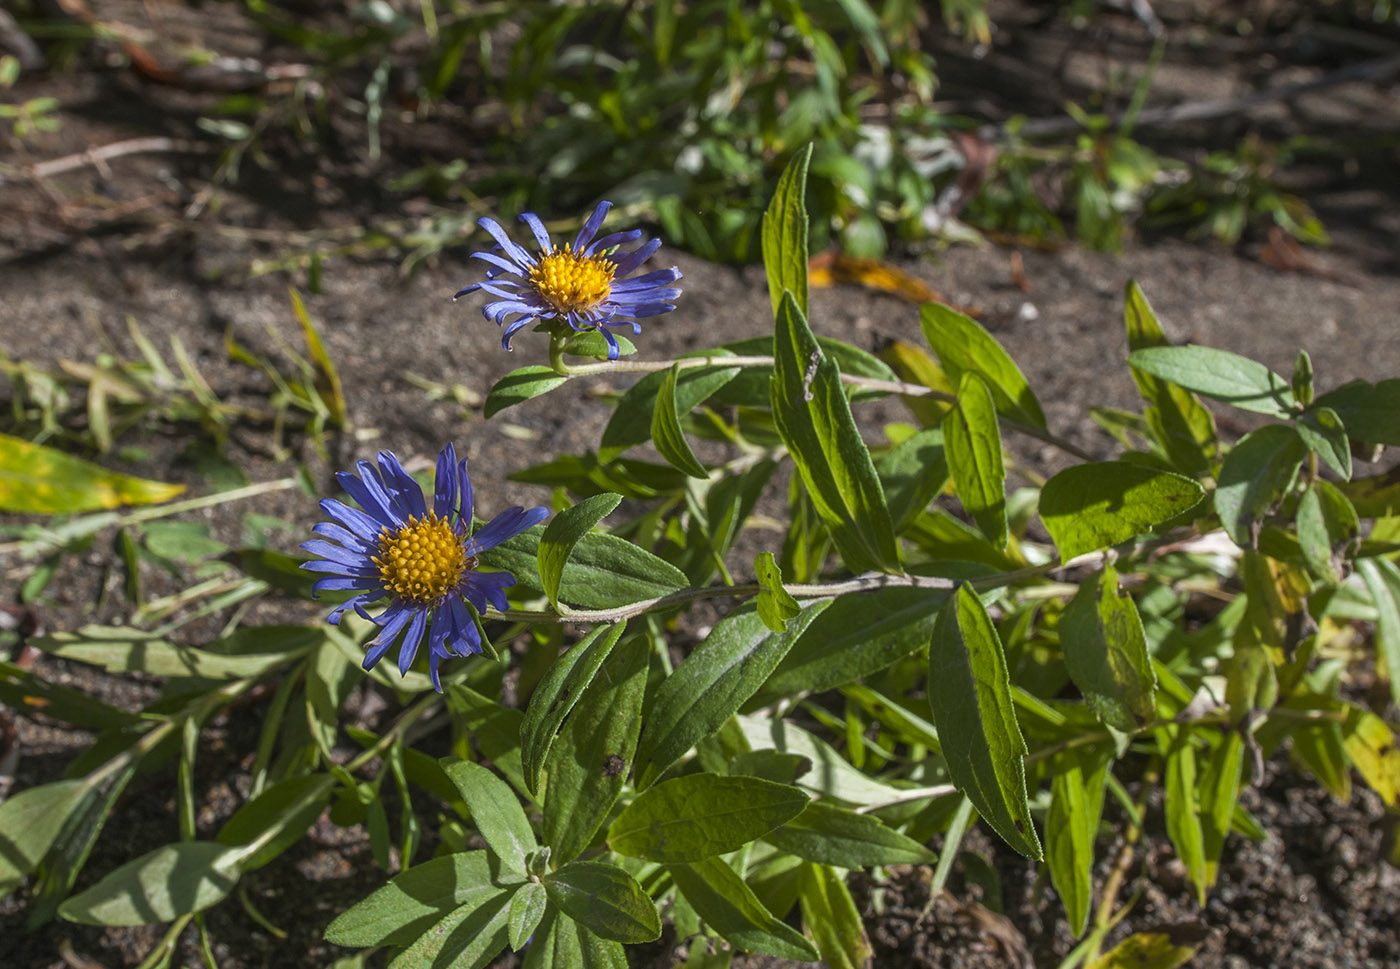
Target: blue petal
591,227
625,262
500,262
504,527
355,602
615,239
401,484
412,640
445,482
363,570
487,588
464,507
334,553
537,228
344,584
649,281
517,254
466,641
352,518
344,536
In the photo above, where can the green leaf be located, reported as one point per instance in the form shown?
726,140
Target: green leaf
31,693
556,943
784,234
830,916
120,649
1092,506
563,533
1183,812
1370,412
695,816
972,443
29,822
831,835
751,387
814,418
1167,949
719,675
496,812
970,693
602,572
1258,472
1220,789
831,774
276,819
964,347
326,379
1322,431
589,762
1329,531
40,480
912,474
1106,652
174,880
858,634
1382,578
604,899
415,899
519,386
1182,425
666,431
527,907
775,606
557,693
731,909
1076,804
71,847
1221,375
468,937
632,420
181,541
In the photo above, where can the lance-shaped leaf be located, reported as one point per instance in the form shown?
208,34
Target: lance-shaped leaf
775,605
556,694
1372,747
963,346
1183,810
563,533
276,819
604,899
527,907
972,443
1258,472
718,676
1106,652
521,385
1092,506
832,835
729,906
830,916
40,480
496,812
602,572
1182,425
1322,431
666,431
784,234
29,822
1329,531
814,419
174,880
912,473
858,634
1370,412
468,937
1382,579
1076,803
632,419
589,762
696,816
1221,375
970,693
415,899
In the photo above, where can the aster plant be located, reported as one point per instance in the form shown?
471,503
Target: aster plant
584,285
941,652
423,560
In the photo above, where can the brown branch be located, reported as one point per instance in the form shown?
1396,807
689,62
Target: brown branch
98,157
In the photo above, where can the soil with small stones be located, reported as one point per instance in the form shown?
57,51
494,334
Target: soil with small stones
150,238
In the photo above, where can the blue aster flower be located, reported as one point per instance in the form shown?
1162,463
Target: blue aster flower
585,284
424,561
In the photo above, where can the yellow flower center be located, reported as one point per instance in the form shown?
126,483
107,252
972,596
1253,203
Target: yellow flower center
422,560
570,282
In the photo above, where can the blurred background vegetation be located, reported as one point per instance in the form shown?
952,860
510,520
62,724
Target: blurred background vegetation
683,112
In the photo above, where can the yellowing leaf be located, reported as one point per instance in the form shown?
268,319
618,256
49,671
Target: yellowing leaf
1372,748
42,480
831,268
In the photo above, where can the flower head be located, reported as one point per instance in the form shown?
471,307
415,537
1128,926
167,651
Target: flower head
585,283
421,559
